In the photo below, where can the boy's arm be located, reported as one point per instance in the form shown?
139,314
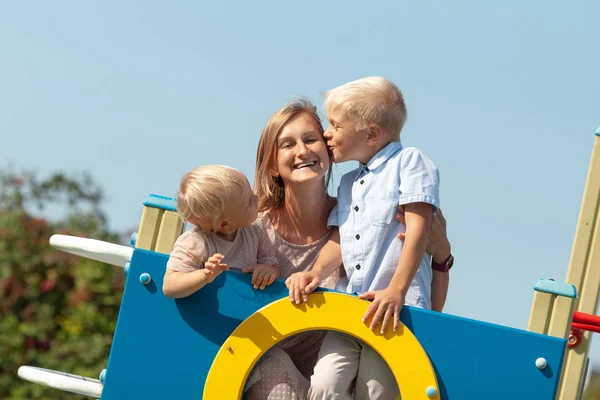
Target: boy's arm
439,290
301,284
388,303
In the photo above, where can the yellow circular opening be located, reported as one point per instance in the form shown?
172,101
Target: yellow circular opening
324,311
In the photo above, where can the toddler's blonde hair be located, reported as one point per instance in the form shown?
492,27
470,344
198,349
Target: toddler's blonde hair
206,194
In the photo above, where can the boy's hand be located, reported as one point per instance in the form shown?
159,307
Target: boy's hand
301,284
262,275
437,245
386,306
214,266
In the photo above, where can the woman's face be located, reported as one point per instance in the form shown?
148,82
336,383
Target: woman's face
301,151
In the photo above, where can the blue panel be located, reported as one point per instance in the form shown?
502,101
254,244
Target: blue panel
163,348
162,202
553,287
477,360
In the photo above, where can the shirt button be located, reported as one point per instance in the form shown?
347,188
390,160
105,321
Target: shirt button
357,236
357,267
362,181
355,208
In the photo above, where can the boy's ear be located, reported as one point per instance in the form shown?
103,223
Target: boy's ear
374,134
223,224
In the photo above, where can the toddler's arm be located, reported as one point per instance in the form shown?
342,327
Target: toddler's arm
267,268
177,284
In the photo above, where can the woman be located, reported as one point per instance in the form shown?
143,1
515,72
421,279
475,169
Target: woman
292,174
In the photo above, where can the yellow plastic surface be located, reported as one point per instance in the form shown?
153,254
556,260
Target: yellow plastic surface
324,311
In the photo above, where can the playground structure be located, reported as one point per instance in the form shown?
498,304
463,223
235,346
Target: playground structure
205,346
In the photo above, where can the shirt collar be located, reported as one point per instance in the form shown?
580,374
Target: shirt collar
382,156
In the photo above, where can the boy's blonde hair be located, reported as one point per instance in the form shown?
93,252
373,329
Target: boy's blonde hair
371,100
207,192
268,185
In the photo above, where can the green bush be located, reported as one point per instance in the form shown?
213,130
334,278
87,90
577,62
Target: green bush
57,311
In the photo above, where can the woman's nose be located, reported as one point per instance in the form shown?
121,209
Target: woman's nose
302,149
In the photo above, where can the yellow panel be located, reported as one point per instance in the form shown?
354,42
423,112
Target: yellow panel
541,310
562,316
332,311
146,237
584,273
573,368
585,224
171,227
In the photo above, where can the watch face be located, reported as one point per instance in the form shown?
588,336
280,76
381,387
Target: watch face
450,262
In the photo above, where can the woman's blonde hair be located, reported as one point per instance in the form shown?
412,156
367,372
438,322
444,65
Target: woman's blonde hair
268,185
206,194
371,100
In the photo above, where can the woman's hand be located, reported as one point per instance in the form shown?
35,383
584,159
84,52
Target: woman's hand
438,245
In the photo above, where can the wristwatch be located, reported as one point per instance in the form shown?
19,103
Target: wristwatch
445,266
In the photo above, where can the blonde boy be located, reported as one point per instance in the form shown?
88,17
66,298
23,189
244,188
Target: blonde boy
365,120
218,200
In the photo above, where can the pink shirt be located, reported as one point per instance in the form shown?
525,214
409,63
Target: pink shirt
250,246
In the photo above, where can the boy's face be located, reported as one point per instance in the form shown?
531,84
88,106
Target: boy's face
343,141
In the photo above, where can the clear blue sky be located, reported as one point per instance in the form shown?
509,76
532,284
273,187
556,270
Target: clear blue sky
504,96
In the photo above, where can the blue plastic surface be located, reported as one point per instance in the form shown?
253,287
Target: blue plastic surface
163,348
133,239
162,202
554,287
145,278
598,131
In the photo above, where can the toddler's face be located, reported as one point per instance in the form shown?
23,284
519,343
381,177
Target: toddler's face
246,210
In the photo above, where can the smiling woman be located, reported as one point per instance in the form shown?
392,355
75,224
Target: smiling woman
292,166
302,153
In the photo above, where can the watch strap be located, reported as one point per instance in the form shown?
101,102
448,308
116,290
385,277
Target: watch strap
445,266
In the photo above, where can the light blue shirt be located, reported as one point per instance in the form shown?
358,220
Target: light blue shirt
365,214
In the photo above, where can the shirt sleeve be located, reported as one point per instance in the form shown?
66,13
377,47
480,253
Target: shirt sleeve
189,252
333,217
419,179
266,251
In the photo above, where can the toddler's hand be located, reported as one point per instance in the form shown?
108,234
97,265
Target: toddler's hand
301,284
262,275
214,266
